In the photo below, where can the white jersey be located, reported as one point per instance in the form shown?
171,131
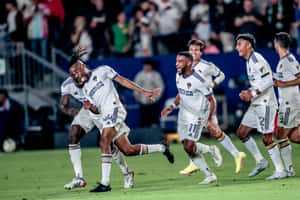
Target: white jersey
209,70
68,87
287,69
260,77
193,91
100,89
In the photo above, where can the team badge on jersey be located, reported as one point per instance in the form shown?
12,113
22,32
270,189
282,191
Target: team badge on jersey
189,85
95,78
263,70
299,67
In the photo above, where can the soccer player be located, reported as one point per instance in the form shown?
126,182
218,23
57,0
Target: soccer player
197,107
262,110
84,121
288,81
213,76
102,97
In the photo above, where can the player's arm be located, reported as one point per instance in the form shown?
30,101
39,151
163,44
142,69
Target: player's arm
65,106
212,106
88,106
278,83
218,74
166,111
131,85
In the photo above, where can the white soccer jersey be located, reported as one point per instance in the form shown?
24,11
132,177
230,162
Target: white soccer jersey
68,87
287,69
260,77
209,70
193,91
100,89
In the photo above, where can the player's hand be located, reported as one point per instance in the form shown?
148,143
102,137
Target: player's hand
246,95
87,104
278,83
165,112
151,93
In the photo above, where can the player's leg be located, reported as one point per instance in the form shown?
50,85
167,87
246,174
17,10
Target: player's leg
140,149
247,124
81,125
265,125
295,135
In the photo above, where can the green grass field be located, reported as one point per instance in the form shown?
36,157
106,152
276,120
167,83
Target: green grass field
37,175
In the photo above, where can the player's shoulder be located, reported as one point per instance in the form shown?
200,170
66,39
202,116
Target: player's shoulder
197,75
256,58
289,58
68,82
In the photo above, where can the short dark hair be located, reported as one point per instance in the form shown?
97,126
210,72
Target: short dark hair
198,43
150,62
186,54
284,39
4,92
247,36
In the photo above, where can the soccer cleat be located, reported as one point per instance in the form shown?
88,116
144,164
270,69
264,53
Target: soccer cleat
291,173
189,169
167,152
128,179
101,188
209,179
277,175
260,166
216,154
239,162
76,182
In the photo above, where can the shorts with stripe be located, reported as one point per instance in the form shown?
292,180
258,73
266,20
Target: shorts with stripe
190,126
260,117
287,116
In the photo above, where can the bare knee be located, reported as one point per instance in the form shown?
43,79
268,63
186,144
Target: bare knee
242,132
295,136
267,139
189,148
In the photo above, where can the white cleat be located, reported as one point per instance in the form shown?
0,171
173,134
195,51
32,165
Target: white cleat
128,179
75,183
209,179
291,173
277,175
216,154
260,166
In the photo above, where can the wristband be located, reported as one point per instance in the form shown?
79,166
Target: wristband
253,93
173,105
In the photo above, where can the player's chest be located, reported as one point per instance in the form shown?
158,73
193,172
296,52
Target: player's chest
186,87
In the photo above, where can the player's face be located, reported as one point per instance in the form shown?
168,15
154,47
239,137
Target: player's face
181,63
276,45
78,74
195,51
242,46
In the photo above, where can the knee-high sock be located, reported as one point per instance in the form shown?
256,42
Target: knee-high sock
253,149
228,145
75,156
275,156
286,153
151,148
106,167
119,158
200,162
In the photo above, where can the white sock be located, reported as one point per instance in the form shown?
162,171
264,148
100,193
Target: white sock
75,155
286,153
200,162
119,158
228,145
106,167
151,148
202,148
253,149
275,156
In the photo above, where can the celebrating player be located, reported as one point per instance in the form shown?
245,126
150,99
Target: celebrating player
261,113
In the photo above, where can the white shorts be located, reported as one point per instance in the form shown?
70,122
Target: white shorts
287,116
190,126
87,120
260,117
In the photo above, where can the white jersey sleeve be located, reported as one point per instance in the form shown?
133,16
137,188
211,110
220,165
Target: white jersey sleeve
65,87
295,67
109,72
202,86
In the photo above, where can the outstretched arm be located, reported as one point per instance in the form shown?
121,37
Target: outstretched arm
131,85
166,111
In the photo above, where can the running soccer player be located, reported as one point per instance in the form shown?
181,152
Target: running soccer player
102,96
262,110
84,121
288,81
213,76
197,107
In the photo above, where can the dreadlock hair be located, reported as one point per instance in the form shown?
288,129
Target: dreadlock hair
77,55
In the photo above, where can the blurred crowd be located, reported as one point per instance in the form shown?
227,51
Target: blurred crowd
139,28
